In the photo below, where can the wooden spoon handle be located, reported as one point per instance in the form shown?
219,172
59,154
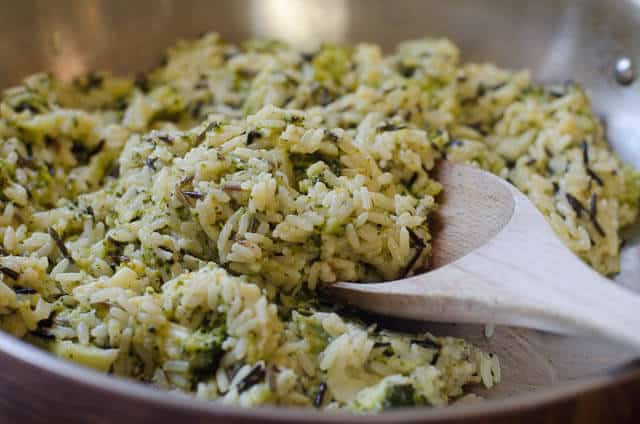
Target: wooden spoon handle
609,311
606,309
599,307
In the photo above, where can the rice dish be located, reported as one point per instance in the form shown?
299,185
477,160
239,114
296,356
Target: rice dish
177,228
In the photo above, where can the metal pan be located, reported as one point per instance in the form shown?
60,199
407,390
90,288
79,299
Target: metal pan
557,39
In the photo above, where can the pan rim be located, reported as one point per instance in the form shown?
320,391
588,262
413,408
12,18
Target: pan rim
80,376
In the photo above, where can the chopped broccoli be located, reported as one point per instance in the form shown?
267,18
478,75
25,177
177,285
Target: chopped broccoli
203,350
400,396
311,329
302,162
331,63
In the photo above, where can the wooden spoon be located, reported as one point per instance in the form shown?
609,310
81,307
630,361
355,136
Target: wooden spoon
496,260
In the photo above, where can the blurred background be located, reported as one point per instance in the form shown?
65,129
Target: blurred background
557,39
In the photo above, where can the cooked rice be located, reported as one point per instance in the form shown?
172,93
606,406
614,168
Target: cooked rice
175,228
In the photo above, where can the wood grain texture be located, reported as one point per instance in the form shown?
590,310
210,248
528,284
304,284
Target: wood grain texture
498,261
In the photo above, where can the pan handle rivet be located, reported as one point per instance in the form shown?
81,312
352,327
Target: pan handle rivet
624,71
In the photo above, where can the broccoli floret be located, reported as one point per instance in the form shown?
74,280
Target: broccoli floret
400,396
391,393
203,350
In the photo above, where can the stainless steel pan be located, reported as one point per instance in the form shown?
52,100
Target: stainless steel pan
557,39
